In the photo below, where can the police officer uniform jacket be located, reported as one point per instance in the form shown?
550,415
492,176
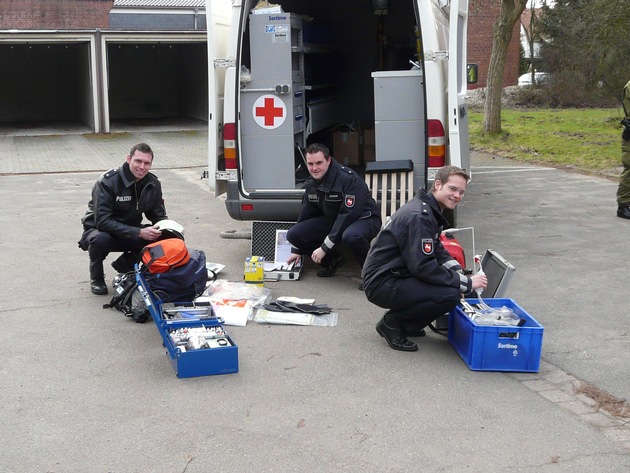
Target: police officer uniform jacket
409,245
119,202
342,197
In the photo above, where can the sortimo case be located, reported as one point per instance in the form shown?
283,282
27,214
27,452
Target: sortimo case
496,348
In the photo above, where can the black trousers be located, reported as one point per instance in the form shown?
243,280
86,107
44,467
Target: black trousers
308,235
412,304
100,244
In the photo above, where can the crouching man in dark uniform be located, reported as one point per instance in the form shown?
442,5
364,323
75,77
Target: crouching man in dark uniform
409,272
337,208
113,221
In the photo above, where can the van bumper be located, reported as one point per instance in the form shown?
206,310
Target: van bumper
263,206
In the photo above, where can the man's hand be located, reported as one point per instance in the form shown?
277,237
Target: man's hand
479,281
294,258
318,255
150,233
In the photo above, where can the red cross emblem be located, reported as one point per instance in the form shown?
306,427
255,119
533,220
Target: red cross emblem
269,111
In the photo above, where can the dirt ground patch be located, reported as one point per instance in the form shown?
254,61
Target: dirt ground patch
604,401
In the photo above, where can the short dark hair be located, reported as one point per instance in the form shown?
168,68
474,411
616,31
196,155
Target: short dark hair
316,148
143,148
445,172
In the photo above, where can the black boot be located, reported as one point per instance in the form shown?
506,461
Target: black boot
394,336
623,211
330,271
411,329
97,278
410,332
124,263
98,287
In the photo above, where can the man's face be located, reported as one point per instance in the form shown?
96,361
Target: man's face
140,164
449,193
317,164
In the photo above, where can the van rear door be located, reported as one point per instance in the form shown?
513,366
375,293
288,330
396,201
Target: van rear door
218,16
457,86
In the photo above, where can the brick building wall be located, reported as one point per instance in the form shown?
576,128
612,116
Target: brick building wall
54,14
482,14
91,14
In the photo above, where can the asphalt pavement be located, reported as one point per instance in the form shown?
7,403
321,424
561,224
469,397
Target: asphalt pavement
86,389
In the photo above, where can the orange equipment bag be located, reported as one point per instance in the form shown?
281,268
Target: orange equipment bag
163,255
450,244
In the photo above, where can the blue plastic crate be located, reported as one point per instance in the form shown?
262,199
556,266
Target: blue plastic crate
496,348
190,363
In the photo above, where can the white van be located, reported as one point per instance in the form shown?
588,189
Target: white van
303,71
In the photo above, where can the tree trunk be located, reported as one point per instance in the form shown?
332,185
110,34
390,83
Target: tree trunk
502,34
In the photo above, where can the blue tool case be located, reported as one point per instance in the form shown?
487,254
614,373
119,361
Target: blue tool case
195,340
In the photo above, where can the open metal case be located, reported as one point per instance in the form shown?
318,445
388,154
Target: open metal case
499,273
269,241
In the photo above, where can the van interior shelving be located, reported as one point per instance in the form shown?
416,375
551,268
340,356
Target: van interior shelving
326,62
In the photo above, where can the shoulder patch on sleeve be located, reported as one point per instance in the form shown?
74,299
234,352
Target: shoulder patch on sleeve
427,246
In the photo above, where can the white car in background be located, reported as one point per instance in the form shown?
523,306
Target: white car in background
539,77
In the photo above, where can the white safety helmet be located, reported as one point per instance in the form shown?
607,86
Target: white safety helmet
170,229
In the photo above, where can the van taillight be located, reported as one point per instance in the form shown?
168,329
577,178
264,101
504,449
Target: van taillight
437,144
229,145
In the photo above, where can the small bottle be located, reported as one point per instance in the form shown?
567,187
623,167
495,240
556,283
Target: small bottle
479,290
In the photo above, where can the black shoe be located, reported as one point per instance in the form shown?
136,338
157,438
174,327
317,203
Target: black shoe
332,269
416,333
98,287
412,330
124,263
360,286
623,211
394,337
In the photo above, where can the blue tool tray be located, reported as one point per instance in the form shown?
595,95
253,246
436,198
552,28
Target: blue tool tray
496,348
190,363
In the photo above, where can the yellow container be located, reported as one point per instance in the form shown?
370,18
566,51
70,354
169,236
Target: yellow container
255,270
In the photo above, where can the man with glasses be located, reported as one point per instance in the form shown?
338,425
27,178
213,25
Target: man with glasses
408,271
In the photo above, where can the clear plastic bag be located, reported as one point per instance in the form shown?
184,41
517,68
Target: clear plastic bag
223,289
497,316
264,316
234,301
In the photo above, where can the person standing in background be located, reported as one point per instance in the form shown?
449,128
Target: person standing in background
623,191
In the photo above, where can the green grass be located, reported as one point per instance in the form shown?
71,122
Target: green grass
587,140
